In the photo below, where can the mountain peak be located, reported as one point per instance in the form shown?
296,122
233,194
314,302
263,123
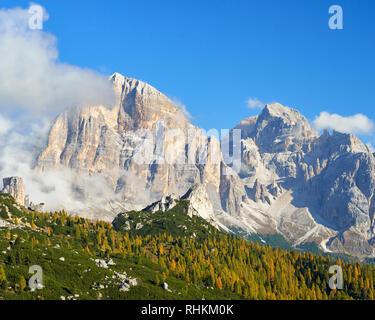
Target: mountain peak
144,104
277,110
280,128
116,76
121,82
247,126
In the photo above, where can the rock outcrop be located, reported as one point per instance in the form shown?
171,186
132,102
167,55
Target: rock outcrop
15,187
200,203
166,203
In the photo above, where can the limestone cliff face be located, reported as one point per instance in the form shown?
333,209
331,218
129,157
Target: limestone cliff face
200,203
96,137
15,187
143,146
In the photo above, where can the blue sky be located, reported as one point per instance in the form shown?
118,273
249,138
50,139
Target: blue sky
214,55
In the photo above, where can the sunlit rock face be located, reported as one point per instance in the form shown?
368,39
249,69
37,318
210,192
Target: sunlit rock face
143,146
305,186
15,187
291,181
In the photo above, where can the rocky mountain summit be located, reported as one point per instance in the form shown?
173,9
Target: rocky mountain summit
307,187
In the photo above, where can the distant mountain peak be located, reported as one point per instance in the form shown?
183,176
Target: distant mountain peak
277,110
277,128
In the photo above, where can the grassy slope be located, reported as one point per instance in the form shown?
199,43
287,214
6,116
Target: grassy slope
42,239
78,273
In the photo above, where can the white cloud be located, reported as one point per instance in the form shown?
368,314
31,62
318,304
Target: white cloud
34,86
5,125
32,77
57,188
357,124
182,108
255,103
372,149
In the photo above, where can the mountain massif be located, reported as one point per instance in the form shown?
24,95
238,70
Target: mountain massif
291,180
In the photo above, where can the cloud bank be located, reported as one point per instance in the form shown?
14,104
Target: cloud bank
34,87
357,124
255,103
372,149
5,125
182,108
57,188
31,76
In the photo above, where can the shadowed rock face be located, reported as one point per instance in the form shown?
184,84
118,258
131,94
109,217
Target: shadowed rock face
292,181
15,187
